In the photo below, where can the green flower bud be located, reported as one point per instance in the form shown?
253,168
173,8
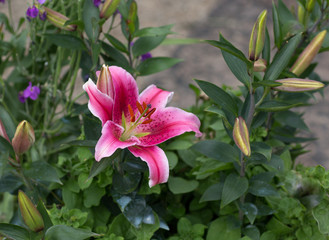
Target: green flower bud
310,5
257,38
301,13
109,8
59,20
307,56
241,136
260,65
30,214
23,138
104,81
298,85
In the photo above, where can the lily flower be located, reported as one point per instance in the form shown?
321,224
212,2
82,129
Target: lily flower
137,122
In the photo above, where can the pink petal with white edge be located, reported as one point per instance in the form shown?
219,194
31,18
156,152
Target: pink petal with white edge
157,97
99,103
156,160
109,141
167,123
125,92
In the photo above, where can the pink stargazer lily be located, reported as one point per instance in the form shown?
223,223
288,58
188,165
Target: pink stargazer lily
136,122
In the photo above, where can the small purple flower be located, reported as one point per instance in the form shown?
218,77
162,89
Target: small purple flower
31,92
32,12
97,2
43,16
146,56
41,1
3,1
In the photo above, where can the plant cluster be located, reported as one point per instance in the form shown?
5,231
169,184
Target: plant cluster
110,169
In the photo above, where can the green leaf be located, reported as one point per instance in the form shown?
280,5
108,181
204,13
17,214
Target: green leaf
172,159
126,183
179,144
146,44
82,143
92,195
146,231
213,193
234,187
5,146
14,232
100,166
83,181
262,148
42,171
219,96
250,210
275,106
225,227
120,226
90,17
9,183
282,58
154,31
276,26
180,41
178,185
321,215
116,43
276,226
266,83
217,150
237,67
66,41
262,189
155,65
60,232
43,211
291,119
114,56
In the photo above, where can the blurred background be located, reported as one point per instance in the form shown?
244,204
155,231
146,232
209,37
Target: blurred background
205,19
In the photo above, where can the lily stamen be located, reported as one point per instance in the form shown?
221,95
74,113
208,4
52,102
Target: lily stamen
131,112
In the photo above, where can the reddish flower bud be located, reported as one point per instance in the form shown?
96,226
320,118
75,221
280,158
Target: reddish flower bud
257,38
23,138
59,20
30,214
260,65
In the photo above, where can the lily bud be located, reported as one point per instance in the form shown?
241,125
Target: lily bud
30,214
109,8
307,56
257,38
3,132
241,136
59,20
132,17
104,81
298,85
260,65
310,5
301,13
23,138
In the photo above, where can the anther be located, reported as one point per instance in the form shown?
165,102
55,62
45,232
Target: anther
131,112
149,114
140,108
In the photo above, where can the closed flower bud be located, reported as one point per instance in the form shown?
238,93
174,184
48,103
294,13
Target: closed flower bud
241,136
109,7
59,20
310,5
301,13
307,56
30,214
257,38
104,81
23,138
132,17
260,65
298,85
3,132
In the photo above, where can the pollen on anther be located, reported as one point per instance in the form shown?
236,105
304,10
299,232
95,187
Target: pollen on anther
140,108
131,112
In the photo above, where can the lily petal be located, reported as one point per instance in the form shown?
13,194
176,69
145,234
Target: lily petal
167,123
109,141
125,93
99,103
157,97
156,160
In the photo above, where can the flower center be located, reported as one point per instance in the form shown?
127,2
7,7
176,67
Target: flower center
145,113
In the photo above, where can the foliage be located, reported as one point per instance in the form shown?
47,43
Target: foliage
214,188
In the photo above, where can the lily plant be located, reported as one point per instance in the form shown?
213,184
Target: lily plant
137,122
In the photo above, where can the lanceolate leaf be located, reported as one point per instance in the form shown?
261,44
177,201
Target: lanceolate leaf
276,26
234,187
66,232
146,44
98,167
14,232
219,96
275,106
156,64
154,31
66,41
282,58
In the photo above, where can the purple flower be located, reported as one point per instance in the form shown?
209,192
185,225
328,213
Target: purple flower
146,56
31,92
43,16
97,2
32,12
41,1
3,1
